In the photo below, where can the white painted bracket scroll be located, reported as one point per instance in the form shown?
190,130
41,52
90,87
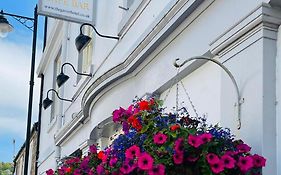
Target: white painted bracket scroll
239,100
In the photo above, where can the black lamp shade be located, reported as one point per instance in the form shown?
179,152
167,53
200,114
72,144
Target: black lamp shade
82,41
47,102
61,79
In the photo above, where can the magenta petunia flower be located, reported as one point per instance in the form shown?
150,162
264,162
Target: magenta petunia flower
126,168
217,167
160,138
113,161
93,149
194,141
212,158
145,161
245,163
178,158
228,161
206,137
157,170
243,148
258,161
178,146
117,114
192,158
132,152
50,172
100,169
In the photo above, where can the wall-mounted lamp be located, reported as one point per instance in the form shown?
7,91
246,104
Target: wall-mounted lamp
62,78
47,102
82,40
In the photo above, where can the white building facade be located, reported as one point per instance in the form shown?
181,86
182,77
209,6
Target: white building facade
245,36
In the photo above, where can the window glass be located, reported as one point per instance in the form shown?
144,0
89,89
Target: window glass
85,56
56,103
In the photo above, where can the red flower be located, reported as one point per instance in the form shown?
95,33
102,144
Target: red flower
101,155
68,170
144,105
175,127
131,119
136,124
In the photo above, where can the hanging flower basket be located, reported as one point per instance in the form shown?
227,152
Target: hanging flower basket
158,143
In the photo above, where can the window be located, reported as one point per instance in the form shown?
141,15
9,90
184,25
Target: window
56,102
85,56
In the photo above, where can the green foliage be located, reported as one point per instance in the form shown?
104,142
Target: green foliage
6,168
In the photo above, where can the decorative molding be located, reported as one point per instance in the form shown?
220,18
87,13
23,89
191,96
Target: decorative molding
153,39
51,48
69,129
263,17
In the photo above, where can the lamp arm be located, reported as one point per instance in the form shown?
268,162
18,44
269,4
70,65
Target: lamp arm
228,73
21,19
57,95
89,75
101,35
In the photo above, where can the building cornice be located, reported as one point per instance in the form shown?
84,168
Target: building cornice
263,17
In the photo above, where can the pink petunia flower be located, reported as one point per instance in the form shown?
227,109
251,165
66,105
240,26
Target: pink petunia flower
113,161
93,149
126,168
50,172
160,138
258,161
212,158
228,161
178,146
194,141
178,158
157,170
100,169
217,167
245,163
132,152
117,114
192,158
206,137
243,148
145,161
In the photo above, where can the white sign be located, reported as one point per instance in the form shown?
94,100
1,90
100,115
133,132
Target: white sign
79,11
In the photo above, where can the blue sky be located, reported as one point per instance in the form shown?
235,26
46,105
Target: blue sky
15,59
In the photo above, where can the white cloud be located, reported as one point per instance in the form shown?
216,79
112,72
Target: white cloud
12,126
15,63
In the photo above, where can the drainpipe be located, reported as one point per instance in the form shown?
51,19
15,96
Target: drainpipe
39,123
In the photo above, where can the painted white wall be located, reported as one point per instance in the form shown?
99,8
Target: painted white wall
210,88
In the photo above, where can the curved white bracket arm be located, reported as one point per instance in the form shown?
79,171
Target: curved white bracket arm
229,74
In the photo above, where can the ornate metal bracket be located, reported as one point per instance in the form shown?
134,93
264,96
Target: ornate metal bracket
239,101
21,19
